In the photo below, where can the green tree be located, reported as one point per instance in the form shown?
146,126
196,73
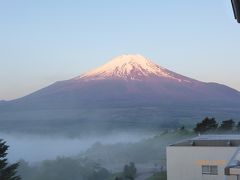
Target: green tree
207,124
130,171
7,171
182,128
238,126
227,125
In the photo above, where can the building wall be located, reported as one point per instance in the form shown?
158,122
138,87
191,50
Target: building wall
185,163
231,178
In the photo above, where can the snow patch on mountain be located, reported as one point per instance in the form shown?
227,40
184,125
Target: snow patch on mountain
131,67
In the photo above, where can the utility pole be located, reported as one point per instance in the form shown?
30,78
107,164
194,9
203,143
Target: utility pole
236,9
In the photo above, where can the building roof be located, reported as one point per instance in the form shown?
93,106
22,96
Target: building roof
211,140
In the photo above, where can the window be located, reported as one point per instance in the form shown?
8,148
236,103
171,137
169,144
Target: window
211,170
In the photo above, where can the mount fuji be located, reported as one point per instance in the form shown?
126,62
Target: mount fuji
128,79
122,86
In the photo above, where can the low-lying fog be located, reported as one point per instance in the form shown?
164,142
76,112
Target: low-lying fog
34,148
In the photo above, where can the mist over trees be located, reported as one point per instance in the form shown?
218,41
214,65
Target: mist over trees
111,161
105,161
64,168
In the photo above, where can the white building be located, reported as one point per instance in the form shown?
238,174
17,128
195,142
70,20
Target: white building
207,157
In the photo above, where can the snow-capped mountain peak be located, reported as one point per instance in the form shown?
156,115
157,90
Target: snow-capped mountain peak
130,67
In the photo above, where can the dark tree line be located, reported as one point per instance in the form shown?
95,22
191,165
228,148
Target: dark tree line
7,171
211,125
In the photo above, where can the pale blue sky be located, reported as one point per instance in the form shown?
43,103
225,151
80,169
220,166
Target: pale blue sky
45,41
